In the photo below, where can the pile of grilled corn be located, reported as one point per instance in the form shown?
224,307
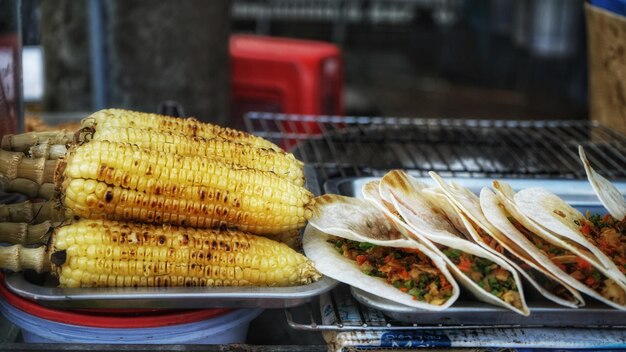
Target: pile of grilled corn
150,200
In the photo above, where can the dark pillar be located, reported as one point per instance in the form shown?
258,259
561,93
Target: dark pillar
66,54
169,50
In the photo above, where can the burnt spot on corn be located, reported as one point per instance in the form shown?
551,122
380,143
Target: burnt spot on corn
202,194
149,170
126,180
58,258
102,170
162,239
158,190
108,196
193,129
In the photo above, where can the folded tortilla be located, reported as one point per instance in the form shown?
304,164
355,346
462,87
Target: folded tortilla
543,274
471,209
357,220
609,195
556,216
550,250
399,197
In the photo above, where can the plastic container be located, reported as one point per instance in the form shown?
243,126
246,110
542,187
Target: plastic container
45,325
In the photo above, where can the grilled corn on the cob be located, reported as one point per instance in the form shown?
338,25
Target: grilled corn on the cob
226,151
186,126
124,182
99,253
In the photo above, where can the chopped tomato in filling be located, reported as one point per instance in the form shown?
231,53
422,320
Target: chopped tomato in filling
608,234
407,269
575,266
487,274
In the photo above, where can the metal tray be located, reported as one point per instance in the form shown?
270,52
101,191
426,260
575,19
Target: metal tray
167,297
44,291
469,311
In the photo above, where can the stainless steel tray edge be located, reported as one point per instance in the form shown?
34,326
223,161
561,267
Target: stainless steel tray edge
543,313
168,297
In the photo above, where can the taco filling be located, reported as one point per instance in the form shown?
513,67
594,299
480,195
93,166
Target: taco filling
486,274
540,278
409,270
575,266
608,234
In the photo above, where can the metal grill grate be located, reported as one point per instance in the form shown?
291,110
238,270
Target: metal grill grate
370,146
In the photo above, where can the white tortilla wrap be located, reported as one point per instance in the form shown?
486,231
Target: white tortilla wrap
439,200
609,195
518,244
357,220
555,215
505,196
429,226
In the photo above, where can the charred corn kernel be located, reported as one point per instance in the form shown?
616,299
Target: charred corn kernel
186,126
227,151
109,253
100,182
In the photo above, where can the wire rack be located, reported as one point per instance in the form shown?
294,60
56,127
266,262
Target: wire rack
342,147
370,146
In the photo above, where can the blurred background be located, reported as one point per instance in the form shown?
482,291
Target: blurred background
496,59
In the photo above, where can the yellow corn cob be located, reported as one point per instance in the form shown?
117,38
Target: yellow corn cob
99,253
186,126
124,182
226,151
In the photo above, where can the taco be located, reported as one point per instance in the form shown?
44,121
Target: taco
351,241
566,259
603,236
489,278
611,197
471,209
